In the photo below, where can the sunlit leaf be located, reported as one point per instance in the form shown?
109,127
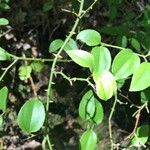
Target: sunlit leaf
71,45
88,140
124,64
3,98
24,72
105,85
102,59
82,58
141,77
55,45
141,137
90,37
3,22
31,116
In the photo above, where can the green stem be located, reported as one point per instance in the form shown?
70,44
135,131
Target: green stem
112,46
6,69
37,59
54,64
110,123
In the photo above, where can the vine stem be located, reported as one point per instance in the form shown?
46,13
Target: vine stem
53,68
110,123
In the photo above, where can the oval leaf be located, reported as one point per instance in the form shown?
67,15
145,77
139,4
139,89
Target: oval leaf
31,116
3,55
142,135
55,45
1,121
102,59
141,77
105,85
124,64
71,45
87,106
3,98
136,45
88,140
90,37
37,66
82,58
99,113
3,22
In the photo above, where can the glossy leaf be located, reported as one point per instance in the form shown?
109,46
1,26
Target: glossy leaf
88,140
90,37
142,135
3,98
31,116
71,45
24,72
55,45
82,58
102,59
37,66
3,55
105,85
141,77
124,64
136,45
87,106
3,22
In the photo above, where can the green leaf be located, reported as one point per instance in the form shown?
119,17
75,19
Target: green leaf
124,64
145,95
4,6
31,115
141,77
47,6
82,58
55,45
99,113
141,137
88,140
71,45
102,59
90,37
3,55
87,106
3,22
105,85
37,66
122,41
3,98
24,72
90,108
136,45
1,121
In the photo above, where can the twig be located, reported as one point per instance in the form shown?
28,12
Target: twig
80,13
110,123
7,68
137,115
